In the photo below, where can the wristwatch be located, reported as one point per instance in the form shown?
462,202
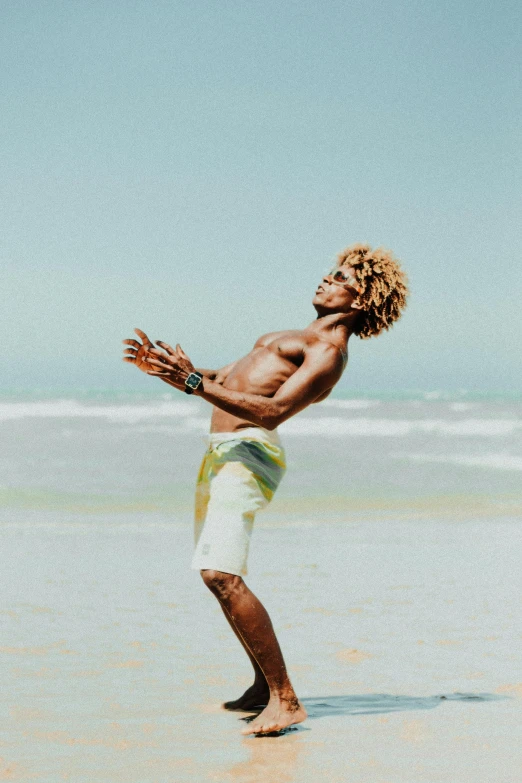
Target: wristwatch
193,382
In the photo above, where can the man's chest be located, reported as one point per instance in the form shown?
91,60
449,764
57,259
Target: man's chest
290,345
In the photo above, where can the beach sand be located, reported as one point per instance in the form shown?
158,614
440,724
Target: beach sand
402,639
389,561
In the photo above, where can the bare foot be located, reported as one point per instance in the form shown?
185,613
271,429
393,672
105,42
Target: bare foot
278,714
254,699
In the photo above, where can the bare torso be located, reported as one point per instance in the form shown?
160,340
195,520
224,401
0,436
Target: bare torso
274,358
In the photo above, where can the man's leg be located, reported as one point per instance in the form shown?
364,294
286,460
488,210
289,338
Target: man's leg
251,621
259,693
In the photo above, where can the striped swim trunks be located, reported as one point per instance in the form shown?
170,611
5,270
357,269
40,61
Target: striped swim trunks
238,477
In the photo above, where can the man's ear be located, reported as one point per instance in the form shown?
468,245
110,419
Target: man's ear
356,305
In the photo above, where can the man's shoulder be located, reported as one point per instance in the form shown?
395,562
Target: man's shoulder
324,358
324,350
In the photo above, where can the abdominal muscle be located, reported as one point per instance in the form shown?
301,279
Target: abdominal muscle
263,371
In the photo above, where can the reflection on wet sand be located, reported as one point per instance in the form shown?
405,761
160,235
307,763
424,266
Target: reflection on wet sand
270,758
280,756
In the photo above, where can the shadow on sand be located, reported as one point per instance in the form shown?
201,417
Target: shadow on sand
382,702
372,703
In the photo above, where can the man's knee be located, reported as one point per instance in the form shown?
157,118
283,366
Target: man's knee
221,583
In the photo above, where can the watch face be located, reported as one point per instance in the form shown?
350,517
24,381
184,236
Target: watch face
193,381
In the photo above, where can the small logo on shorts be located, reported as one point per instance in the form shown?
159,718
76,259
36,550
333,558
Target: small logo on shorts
205,549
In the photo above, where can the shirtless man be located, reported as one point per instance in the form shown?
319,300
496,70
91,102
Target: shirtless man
283,374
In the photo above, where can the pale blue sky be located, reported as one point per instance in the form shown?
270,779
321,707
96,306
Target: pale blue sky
192,168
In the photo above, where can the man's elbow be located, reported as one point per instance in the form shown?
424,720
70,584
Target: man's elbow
280,414
268,422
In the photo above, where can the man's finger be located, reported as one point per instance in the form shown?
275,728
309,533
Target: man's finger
159,363
135,343
143,337
153,372
166,347
128,359
181,351
130,351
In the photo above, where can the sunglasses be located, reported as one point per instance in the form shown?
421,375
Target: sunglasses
341,277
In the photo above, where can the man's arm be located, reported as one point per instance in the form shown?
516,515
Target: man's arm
319,372
138,354
217,375
210,374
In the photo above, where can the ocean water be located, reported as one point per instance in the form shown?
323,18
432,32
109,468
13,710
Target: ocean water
117,458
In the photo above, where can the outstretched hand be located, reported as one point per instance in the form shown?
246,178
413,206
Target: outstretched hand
139,353
169,363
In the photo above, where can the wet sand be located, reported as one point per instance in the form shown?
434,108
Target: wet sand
402,637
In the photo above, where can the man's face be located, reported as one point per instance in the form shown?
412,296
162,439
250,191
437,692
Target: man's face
338,292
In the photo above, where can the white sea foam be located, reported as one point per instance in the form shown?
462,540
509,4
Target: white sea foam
462,406
75,409
194,415
498,461
365,427
485,427
195,423
349,404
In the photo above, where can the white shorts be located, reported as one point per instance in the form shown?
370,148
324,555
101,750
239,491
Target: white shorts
238,477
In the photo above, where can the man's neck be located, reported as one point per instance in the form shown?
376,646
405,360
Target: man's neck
337,327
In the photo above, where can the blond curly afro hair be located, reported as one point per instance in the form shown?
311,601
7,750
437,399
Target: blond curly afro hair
384,287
